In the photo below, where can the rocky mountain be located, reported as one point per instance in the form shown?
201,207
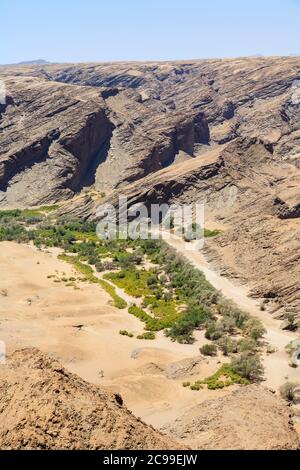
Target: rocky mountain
158,113
223,131
45,407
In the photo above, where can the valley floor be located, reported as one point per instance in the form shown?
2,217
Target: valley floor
80,327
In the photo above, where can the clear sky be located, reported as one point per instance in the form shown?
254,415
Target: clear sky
109,30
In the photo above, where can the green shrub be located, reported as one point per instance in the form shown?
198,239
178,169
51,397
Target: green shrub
196,386
249,366
255,329
224,377
126,333
148,335
194,317
151,323
186,384
227,345
209,350
133,282
247,345
214,331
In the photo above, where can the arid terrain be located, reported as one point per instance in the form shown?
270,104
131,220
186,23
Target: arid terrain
99,127
223,132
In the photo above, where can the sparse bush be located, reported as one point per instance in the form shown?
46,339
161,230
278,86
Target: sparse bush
214,331
270,349
99,266
255,329
148,335
227,345
248,366
290,391
247,345
209,350
126,333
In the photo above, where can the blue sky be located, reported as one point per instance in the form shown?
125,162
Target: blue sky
96,30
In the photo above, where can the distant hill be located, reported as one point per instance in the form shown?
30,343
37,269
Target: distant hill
28,62
34,62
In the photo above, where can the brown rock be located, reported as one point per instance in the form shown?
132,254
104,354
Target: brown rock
43,406
250,418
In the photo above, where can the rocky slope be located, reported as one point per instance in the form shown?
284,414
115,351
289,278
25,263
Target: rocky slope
50,133
250,418
43,406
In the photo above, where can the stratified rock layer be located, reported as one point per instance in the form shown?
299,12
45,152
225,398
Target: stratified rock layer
43,406
160,113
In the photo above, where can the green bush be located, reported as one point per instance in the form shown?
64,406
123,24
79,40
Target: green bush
227,345
255,329
247,345
151,323
214,331
134,282
194,317
249,366
126,333
209,350
224,377
196,386
148,335
186,384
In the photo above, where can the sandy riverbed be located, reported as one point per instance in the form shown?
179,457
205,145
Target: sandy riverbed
36,311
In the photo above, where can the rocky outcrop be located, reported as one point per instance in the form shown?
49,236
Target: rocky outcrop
50,133
163,113
45,407
250,418
284,211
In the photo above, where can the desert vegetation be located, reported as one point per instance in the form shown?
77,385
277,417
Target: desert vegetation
290,391
171,295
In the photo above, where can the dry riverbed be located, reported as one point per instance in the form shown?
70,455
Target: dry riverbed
80,327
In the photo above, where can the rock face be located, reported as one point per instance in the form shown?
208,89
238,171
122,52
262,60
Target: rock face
250,418
43,406
224,131
50,134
